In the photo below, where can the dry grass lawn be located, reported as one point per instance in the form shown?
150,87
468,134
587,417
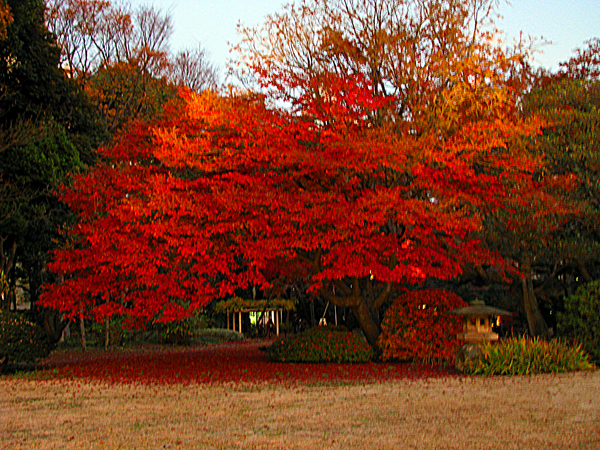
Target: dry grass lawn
532,412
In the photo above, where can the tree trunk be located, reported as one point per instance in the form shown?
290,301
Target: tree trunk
368,323
7,262
535,320
53,325
106,333
583,271
364,303
82,331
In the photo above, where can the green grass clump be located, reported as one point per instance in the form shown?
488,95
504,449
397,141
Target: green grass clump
320,345
523,356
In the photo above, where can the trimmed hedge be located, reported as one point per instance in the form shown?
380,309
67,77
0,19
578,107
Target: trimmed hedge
524,356
321,345
216,335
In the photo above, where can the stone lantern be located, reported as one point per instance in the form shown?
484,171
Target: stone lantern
477,328
477,321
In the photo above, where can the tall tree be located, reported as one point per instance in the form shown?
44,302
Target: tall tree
358,187
569,102
117,55
435,58
556,253
584,64
48,131
120,56
226,194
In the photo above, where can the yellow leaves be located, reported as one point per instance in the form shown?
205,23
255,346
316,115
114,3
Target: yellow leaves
471,98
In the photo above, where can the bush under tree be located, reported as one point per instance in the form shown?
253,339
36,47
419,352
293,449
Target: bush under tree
322,345
416,328
21,341
581,319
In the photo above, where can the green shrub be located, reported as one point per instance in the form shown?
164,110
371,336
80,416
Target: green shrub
181,332
216,335
523,356
118,333
20,339
581,319
416,328
321,344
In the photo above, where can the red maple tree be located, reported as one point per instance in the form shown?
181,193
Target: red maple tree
225,193
338,189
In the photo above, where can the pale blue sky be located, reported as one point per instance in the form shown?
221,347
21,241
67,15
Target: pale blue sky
212,23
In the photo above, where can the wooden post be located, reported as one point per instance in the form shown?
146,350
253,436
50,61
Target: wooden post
240,320
277,321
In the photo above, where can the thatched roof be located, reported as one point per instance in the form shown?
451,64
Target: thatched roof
236,304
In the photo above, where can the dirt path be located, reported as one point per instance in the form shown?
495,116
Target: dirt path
536,412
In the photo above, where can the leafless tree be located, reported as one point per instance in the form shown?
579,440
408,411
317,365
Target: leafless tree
191,68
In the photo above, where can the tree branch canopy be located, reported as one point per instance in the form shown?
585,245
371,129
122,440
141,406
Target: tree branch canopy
400,130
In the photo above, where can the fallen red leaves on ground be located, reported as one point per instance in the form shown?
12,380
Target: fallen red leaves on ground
239,362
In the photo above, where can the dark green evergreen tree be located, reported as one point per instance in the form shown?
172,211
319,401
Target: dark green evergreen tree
48,130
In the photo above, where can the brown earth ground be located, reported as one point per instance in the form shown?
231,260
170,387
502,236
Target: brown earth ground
528,412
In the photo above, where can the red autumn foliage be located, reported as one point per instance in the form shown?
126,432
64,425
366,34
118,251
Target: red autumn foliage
225,193
239,362
380,170
416,327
